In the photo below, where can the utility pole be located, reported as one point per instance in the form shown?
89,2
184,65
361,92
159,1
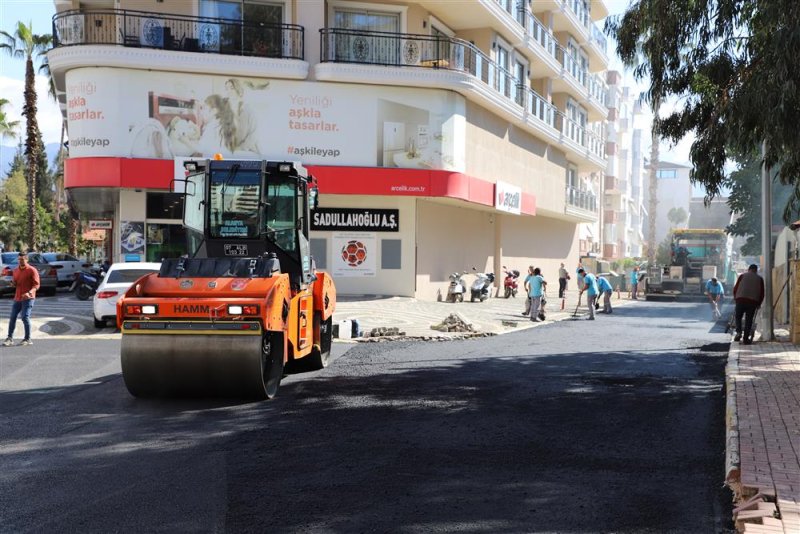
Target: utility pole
768,333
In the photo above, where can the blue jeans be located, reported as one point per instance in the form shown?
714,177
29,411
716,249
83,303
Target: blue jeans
25,307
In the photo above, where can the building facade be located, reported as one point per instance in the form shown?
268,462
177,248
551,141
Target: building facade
674,191
442,139
623,193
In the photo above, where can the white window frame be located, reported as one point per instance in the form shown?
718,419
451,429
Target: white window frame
433,22
333,5
287,8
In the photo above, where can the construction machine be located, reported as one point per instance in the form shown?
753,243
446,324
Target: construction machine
695,256
246,304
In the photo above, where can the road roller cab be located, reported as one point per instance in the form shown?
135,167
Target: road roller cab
246,304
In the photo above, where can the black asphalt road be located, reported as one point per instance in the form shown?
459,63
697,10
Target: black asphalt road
615,425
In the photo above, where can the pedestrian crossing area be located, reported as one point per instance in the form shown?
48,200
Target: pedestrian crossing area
62,316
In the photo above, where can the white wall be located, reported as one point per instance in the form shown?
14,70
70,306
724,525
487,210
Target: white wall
398,282
672,193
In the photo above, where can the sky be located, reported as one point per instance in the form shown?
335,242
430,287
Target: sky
40,13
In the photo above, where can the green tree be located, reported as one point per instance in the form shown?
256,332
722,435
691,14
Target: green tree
664,251
677,216
26,45
744,202
8,128
734,66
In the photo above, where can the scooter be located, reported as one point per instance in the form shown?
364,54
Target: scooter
457,288
84,284
511,282
481,287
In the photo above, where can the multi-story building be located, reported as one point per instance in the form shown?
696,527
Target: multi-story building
623,206
674,191
444,135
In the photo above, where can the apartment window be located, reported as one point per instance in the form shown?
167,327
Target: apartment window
259,35
503,59
521,82
377,49
522,9
572,177
374,21
667,173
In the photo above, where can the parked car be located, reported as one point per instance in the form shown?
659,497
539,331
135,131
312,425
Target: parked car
116,281
69,266
48,274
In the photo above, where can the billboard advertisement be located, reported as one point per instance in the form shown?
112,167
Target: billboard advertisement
159,115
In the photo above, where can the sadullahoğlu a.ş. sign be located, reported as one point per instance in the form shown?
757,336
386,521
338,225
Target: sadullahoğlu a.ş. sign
351,219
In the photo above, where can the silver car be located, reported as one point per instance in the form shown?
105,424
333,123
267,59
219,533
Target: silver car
69,266
48,274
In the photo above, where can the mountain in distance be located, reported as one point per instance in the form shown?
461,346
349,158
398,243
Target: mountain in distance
7,156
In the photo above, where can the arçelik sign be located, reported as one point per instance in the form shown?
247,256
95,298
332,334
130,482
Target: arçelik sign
353,219
508,198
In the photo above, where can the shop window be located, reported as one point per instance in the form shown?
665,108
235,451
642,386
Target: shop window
319,251
390,253
165,241
164,206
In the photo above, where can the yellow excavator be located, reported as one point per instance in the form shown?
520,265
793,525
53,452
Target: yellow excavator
246,304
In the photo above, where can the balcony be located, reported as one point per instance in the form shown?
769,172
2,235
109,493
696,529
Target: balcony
598,45
578,82
139,29
581,142
581,202
457,65
542,41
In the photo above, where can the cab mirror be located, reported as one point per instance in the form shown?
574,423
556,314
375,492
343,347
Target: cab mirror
183,187
313,197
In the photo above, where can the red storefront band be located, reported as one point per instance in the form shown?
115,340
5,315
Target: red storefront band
129,173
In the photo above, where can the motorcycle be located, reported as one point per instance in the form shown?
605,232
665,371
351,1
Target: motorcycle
481,287
85,284
457,288
511,282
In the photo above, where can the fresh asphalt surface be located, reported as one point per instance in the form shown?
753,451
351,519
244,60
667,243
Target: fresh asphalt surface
615,425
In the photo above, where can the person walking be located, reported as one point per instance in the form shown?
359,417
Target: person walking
715,291
748,294
563,276
635,283
606,290
535,285
591,289
25,279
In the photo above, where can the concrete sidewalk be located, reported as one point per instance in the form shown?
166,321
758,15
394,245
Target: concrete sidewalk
496,315
763,436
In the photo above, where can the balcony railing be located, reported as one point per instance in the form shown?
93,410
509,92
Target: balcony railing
571,130
580,198
177,32
599,38
597,88
571,66
425,51
579,11
536,30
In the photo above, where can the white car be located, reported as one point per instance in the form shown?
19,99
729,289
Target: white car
116,281
69,266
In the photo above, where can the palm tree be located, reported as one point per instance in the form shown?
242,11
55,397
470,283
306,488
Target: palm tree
44,68
24,44
8,129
